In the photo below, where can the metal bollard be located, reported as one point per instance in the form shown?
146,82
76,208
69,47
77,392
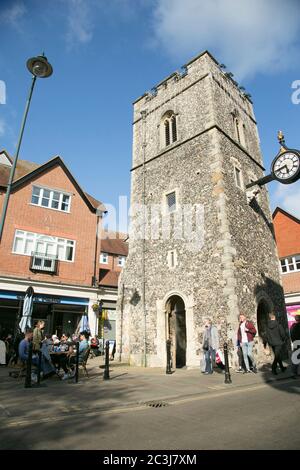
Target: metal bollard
39,368
168,346
106,368
28,366
77,362
227,373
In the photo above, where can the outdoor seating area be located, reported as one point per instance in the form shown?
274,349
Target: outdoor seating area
55,358
37,356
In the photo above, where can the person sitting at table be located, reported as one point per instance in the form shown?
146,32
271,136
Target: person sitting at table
55,340
94,344
83,344
59,357
48,367
83,347
65,343
24,347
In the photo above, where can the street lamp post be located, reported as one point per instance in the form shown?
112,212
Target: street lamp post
40,68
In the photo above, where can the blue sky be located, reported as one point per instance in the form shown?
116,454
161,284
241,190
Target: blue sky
107,53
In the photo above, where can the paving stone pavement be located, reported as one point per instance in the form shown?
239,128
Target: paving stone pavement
128,387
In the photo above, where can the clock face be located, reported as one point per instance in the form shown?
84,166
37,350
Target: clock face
286,167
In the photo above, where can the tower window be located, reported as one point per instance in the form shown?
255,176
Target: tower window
244,136
238,177
174,128
237,130
172,258
171,201
169,129
240,131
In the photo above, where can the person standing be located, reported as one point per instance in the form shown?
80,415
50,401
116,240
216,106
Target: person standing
24,347
210,345
242,367
275,336
245,337
38,335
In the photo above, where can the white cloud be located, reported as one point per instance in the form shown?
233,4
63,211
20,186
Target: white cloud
13,14
2,127
80,22
249,36
288,197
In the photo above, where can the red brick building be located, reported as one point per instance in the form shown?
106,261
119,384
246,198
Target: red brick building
50,242
287,233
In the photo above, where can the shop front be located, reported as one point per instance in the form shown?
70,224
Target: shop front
61,313
292,311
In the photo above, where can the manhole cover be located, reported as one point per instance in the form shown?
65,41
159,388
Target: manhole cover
156,404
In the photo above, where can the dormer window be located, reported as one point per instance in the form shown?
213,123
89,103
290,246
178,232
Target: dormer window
169,128
51,199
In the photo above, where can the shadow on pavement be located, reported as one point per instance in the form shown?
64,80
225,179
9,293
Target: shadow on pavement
292,385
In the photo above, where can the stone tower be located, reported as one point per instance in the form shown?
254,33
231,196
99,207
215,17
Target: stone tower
200,244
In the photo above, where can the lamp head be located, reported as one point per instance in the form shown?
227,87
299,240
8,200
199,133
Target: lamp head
39,66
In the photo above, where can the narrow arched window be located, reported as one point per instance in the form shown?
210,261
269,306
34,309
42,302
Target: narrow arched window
169,129
237,130
174,128
244,141
167,132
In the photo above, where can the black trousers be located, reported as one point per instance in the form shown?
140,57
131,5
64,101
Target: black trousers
61,362
277,357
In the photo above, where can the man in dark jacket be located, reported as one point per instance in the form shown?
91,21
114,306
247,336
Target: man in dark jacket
275,336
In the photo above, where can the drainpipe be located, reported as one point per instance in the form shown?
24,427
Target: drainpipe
144,115
99,215
121,326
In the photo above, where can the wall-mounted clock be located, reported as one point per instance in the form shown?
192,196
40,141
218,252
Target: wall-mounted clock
285,167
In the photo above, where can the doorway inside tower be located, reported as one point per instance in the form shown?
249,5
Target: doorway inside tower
263,311
177,330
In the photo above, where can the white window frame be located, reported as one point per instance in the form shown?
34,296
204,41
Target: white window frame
121,261
287,264
52,191
42,266
36,238
103,255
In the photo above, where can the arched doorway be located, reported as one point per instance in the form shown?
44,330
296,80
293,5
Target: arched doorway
176,330
263,310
